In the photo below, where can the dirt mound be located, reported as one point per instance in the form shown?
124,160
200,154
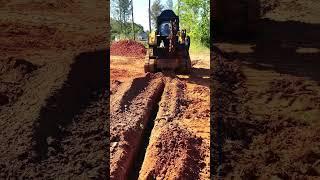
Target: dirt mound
178,154
128,48
172,100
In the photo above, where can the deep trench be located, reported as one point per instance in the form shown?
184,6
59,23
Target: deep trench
137,165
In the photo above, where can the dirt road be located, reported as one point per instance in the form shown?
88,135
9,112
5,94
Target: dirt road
159,122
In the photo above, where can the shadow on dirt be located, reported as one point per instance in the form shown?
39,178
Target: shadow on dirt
286,47
199,76
87,75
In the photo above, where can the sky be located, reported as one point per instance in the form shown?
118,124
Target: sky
140,11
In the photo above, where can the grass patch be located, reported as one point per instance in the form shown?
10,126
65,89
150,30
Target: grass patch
197,47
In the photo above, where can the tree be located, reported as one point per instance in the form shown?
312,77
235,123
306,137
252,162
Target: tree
127,27
195,17
134,35
149,16
121,12
156,9
169,4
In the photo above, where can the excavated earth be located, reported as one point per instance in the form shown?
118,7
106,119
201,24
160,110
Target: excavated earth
267,124
266,97
53,90
159,123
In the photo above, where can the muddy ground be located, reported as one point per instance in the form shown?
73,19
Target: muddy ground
159,122
53,89
266,98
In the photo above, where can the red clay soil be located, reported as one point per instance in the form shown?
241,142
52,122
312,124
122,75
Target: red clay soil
127,48
131,109
173,152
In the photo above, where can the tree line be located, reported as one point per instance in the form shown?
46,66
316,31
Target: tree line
194,17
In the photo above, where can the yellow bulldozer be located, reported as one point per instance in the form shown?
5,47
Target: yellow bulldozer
168,46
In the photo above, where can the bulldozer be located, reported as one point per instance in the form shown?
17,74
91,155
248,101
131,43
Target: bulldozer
168,46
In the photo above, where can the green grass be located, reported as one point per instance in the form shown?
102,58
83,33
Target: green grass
197,47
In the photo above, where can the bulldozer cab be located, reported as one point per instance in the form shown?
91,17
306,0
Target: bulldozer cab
164,29
168,46
163,20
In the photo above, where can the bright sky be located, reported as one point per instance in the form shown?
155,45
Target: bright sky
140,11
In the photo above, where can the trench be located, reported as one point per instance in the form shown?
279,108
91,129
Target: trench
137,164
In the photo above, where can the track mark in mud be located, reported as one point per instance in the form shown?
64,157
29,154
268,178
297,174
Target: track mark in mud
87,75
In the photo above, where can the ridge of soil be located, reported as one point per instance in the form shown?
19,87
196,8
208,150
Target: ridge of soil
173,152
129,121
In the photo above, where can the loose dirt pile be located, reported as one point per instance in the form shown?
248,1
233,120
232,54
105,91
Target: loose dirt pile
174,154
265,127
128,48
